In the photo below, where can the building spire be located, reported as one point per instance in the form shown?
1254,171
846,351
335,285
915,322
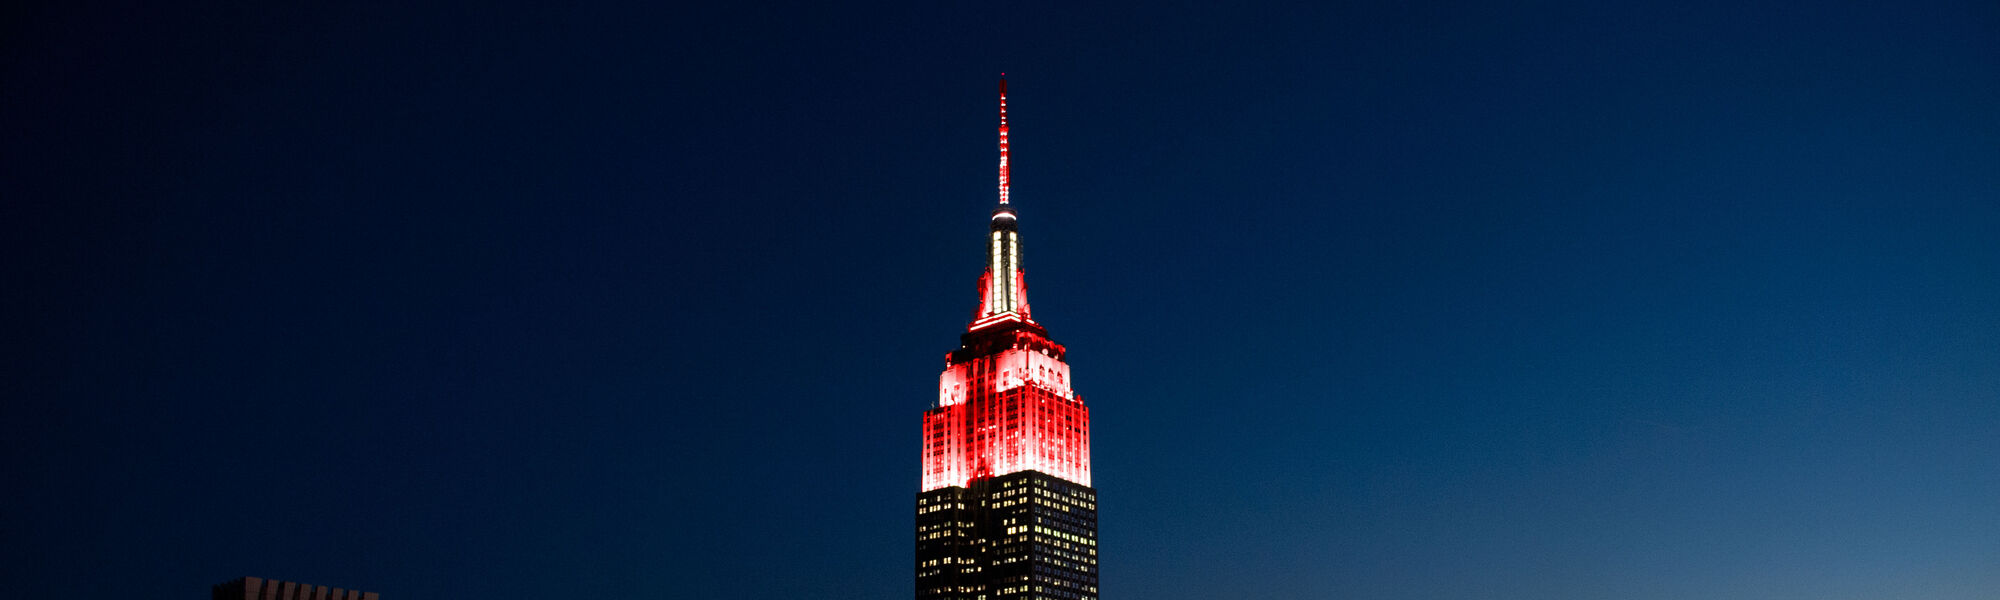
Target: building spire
1003,138
1003,288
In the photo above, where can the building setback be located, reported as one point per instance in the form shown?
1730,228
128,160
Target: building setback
1006,511
253,588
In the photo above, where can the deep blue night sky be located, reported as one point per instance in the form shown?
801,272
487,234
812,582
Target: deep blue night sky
1404,301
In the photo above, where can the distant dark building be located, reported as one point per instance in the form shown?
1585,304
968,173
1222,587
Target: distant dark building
1006,510
252,588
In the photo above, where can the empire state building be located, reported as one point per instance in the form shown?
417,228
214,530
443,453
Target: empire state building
1006,510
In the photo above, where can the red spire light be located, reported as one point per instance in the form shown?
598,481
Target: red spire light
1003,138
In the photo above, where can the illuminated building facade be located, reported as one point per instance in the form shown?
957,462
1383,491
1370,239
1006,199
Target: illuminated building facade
1006,510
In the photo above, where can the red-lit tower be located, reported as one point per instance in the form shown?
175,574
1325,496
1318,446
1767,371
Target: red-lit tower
1006,510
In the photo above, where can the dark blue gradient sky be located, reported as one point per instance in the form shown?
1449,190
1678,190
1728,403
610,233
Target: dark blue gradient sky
1401,301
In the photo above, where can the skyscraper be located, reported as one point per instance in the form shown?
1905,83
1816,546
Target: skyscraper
1006,510
256,588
